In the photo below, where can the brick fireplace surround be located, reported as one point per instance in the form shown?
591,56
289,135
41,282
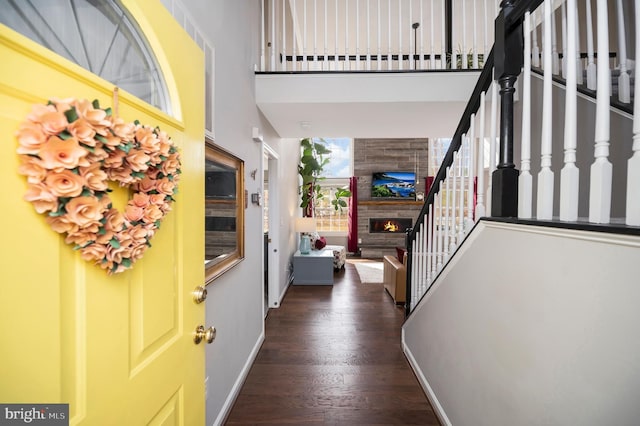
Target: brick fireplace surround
377,155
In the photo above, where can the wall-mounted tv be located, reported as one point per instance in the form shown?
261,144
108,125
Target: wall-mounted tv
393,185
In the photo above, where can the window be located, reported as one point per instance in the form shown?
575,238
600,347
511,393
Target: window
336,173
97,35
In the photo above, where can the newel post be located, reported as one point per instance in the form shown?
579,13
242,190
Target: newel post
508,60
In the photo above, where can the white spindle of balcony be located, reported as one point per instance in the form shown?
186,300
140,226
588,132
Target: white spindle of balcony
451,196
601,169
440,233
563,17
262,34
446,205
463,53
570,174
400,60
525,180
544,210
555,59
624,82
389,59
485,31
368,63
346,66
535,49
357,35
592,69
379,52
336,58
305,62
480,209
283,63
633,165
467,216
443,50
294,25
325,62
474,53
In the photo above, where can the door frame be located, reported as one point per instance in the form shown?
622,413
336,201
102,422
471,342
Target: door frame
273,257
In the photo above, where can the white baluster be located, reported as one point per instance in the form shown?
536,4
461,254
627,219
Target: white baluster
460,192
283,63
262,37
633,165
423,263
468,223
544,209
535,50
294,25
570,175
485,51
439,251
315,35
347,62
432,50
465,57
389,58
443,50
480,211
454,39
357,34
447,207
336,58
452,208
579,70
555,60
325,62
591,65
430,262
421,48
624,83
601,169
368,36
379,67
525,180
400,59
475,39
564,38
305,63
412,64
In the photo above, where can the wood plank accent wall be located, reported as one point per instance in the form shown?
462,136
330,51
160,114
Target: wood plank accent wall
380,155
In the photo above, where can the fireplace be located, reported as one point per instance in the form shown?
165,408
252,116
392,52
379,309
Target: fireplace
389,225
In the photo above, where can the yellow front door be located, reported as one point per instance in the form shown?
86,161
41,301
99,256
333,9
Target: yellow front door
119,349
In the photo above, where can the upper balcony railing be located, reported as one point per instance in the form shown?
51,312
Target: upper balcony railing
375,35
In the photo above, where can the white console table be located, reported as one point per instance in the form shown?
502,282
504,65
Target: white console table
315,268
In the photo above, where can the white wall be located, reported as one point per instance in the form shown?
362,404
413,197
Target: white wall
235,300
546,334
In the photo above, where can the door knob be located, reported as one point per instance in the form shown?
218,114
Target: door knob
199,294
201,334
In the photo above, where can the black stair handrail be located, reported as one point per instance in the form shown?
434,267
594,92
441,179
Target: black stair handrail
508,25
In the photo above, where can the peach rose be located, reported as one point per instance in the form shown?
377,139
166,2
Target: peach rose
122,175
31,167
138,234
53,122
93,252
151,214
146,184
114,220
115,159
84,211
140,199
61,224
41,198
81,237
137,160
165,186
105,238
65,183
30,138
82,130
38,110
113,140
122,129
95,177
171,164
157,199
97,117
133,213
138,251
98,155
61,154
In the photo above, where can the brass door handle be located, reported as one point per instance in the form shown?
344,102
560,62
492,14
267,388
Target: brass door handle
201,334
199,294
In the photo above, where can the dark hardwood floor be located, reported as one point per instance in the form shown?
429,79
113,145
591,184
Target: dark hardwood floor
332,356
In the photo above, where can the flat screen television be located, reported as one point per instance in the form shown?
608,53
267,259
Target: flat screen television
394,185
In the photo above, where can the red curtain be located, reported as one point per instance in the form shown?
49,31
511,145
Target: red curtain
352,223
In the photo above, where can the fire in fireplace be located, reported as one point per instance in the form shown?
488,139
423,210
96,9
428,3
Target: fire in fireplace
390,225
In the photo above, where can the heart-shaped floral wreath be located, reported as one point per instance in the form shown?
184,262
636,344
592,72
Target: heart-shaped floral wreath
70,149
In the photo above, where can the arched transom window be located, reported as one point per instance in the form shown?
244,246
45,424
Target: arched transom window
98,35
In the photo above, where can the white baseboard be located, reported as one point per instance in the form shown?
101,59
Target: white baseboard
226,408
437,408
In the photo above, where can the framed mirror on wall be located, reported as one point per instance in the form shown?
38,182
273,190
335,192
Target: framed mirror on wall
224,211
